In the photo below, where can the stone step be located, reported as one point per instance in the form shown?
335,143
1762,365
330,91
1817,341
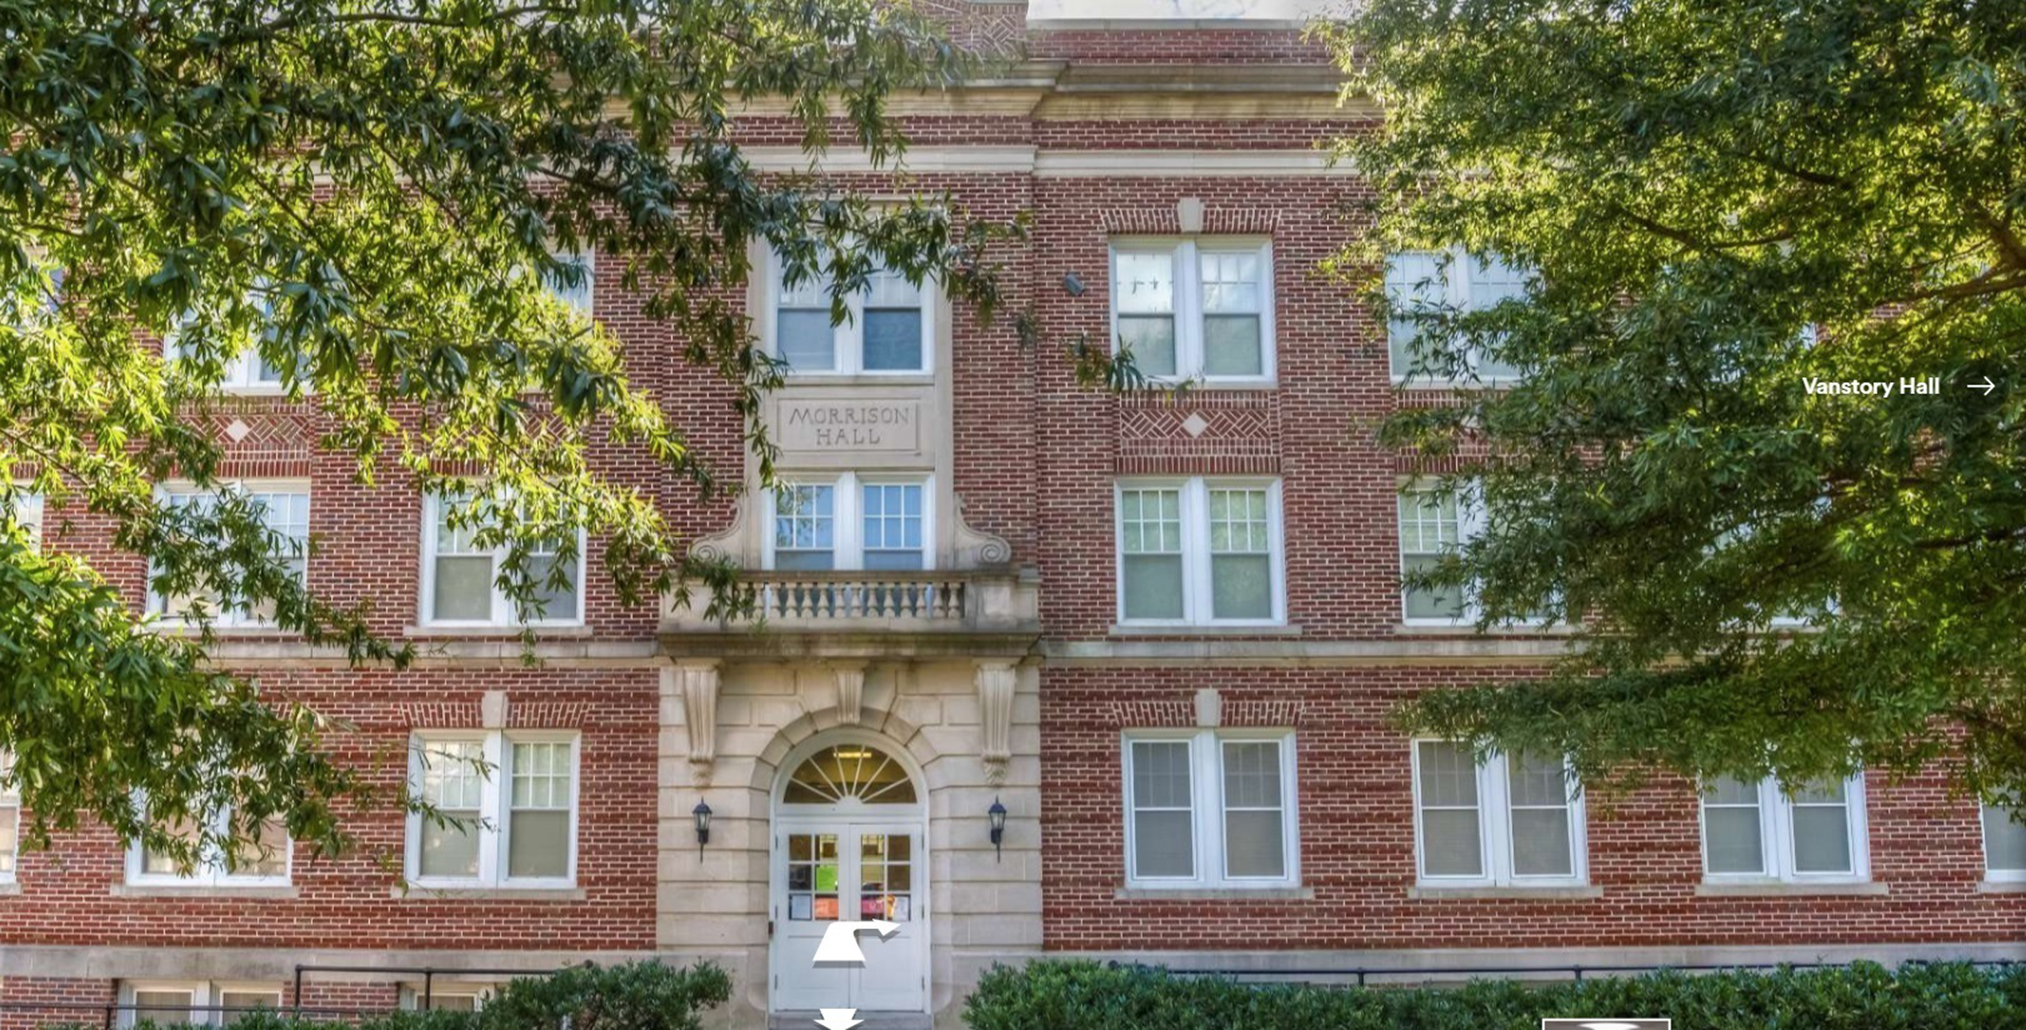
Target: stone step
796,1020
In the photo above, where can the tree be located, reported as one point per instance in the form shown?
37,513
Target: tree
1722,202
369,195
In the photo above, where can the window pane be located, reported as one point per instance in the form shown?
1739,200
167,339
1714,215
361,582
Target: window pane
893,339
1231,346
1161,801
1731,839
892,525
1151,339
1241,586
159,864
1490,284
538,843
1540,842
236,1003
558,605
807,341
463,589
804,526
1413,280
2004,839
1450,844
10,840
1145,282
453,779
1253,844
1230,282
1725,790
265,857
1821,839
450,851
1153,586
1431,603
162,1008
439,1002
578,297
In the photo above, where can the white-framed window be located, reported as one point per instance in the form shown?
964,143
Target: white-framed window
444,998
1761,833
261,862
27,513
1211,808
1449,279
1200,551
579,297
890,328
1509,821
2004,844
852,520
194,1003
1195,307
10,819
1433,522
249,371
514,796
285,510
460,577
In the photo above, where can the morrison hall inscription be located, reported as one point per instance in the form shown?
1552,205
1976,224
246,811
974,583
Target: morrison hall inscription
850,425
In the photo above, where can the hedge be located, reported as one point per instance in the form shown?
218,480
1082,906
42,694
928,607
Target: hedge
631,996
1083,995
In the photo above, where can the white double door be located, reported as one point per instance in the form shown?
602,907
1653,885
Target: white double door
830,871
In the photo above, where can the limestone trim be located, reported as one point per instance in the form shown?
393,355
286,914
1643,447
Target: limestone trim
695,684
850,691
998,681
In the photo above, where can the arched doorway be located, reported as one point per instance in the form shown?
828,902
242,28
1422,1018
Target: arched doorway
850,843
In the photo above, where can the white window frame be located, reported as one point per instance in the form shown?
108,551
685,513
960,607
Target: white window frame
204,996
1456,275
1206,808
494,827
848,338
1469,524
1992,874
503,609
28,512
1494,830
1188,312
848,516
588,301
1198,600
1776,838
209,869
411,999
10,804
222,617
242,372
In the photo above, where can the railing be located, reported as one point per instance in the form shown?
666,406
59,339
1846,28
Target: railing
1342,975
860,595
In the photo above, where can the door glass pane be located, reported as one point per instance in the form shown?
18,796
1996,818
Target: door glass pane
886,877
812,877
1163,831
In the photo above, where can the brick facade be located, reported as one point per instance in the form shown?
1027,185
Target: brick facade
1099,134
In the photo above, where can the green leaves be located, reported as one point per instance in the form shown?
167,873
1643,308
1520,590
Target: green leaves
1725,202
354,204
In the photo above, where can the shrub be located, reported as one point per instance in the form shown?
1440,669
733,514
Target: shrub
1083,995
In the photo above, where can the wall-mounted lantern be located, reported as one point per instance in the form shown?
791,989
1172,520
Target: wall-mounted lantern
998,816
702,814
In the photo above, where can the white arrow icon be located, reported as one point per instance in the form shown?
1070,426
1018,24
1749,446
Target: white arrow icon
840,942
839,1019
1986,386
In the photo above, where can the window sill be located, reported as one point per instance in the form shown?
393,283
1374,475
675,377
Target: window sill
1214,894
420,893
2002,887
1469,629
10,888
791,380
1789,890
1426,892
165,890
496,630
169,628
1278,629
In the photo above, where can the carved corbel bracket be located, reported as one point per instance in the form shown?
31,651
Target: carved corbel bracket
998,680
696,686
850,691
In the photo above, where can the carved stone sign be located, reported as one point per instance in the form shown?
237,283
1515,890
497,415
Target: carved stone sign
844,425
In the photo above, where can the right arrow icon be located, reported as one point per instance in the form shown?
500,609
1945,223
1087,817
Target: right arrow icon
1986,386
839,1019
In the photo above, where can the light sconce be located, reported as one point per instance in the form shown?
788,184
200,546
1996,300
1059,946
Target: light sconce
702,814
1072,284
997,813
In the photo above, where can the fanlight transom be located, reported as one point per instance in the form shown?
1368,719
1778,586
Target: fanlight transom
856,772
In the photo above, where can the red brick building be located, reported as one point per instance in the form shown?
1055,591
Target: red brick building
1163,634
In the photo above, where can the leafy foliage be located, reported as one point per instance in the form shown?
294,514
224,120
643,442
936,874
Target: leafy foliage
1722,201
369,195
1083,995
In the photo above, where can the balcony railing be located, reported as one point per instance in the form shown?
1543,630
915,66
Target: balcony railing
871,612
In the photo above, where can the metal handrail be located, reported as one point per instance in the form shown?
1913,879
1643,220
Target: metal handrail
1574,971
